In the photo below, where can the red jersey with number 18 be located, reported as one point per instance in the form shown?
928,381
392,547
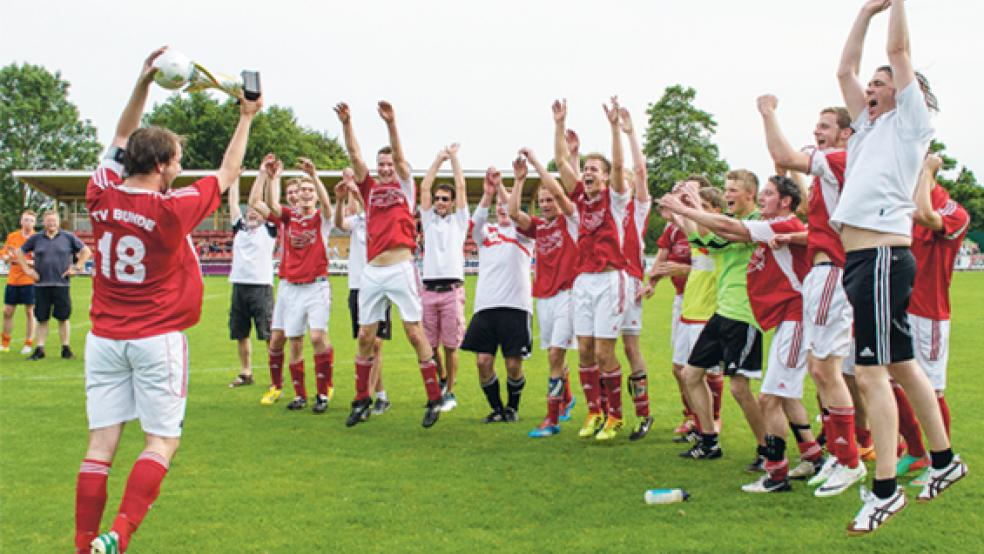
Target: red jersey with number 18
147,280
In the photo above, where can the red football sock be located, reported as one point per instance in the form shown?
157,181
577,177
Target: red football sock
863,435
323,368
276,368
809,451
363,367
297,378
90,500
842,429
613,387
568,396
555,400
428,371
5,339
591,383
639,387
945,412
777,470
908,425
142,488
715,381
828,431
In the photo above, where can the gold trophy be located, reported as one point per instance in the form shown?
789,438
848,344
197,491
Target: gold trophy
175,71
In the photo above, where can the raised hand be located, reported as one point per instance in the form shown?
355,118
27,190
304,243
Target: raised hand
933,163
612,112
452,149
386,112
307,166
519,166
873,7
559,110
443,155
343,113
148,69
767,104
625,121
341,190
573,141
670,202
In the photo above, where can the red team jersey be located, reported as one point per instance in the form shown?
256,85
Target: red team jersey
599,240
636,222
556,254
304,257
147,280
674,241
935,253
389,216
775,277
827,167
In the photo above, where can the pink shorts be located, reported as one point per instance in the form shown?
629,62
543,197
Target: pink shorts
444,317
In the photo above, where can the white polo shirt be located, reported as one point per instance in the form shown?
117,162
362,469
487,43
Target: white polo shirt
503,265
252,253
357,249
444,244
884,158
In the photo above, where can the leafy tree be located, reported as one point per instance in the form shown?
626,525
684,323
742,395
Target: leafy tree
964,189
39,129
207,125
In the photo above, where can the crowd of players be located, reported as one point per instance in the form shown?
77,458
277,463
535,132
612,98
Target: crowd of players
866,281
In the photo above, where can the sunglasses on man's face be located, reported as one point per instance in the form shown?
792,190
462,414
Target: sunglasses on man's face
442,198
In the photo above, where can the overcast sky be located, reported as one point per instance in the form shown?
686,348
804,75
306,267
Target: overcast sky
484,73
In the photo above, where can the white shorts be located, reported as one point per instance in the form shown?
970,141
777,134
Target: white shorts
382,284
827,314
599,304
302,307
632,320
679,337
145,379
556,318
787,362
931,342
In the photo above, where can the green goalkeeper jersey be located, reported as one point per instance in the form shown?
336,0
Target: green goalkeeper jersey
732,286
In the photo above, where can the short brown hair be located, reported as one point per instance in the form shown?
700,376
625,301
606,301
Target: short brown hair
448,187
843,116
712,195
50,212
147,147
604,161
747,178
700,179
385,150
29,212
298,181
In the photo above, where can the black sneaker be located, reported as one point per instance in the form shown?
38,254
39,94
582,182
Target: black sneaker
37,355
509,415
700,451
756,466
692,436
320,404
642,429
381,406
67,353
431,414
494,417
298,403
360,412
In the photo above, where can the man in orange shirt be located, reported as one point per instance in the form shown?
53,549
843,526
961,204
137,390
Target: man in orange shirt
20,287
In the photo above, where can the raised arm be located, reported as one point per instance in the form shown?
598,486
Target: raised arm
130,119
460,186
899,50
783,154
574,151
273,188
516,213
256,192
489,188
725,227
617,177
399,160
232,161
925,215
351,144
640,179
567,174
850,62
547,180
428,182
234,211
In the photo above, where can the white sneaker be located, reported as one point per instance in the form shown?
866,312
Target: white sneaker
26,350
803,470
766,484
940,479
449,402
841,479
828,468
875,511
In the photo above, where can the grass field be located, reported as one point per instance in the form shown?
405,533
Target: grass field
261,479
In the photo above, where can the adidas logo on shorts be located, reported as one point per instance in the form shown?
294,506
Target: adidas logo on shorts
867,353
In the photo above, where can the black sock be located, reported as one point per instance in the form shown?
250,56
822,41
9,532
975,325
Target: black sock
942,458
515,389
775,448
762,450
491,390
884,488
709,439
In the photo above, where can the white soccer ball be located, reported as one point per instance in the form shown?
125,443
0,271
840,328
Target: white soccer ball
174,69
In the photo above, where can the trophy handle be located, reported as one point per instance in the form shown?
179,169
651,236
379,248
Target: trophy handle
204,79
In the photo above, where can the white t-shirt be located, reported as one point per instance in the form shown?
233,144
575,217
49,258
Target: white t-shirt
357,249
503,265
444,243
884,158
252,253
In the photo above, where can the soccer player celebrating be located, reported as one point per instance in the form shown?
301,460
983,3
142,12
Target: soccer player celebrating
555,235
635,224
20,285
147,288
304,299
892,133
599,289
827,314
445,223
390,275
940,227
350,217
503,304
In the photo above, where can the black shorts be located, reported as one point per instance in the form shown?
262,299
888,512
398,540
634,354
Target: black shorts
878,284
508,328
15,295
52,301
736,344
385,328
250,304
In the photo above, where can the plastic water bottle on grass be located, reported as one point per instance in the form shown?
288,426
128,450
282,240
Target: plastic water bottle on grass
666,496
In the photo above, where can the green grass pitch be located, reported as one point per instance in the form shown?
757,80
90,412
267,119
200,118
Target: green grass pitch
261,479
